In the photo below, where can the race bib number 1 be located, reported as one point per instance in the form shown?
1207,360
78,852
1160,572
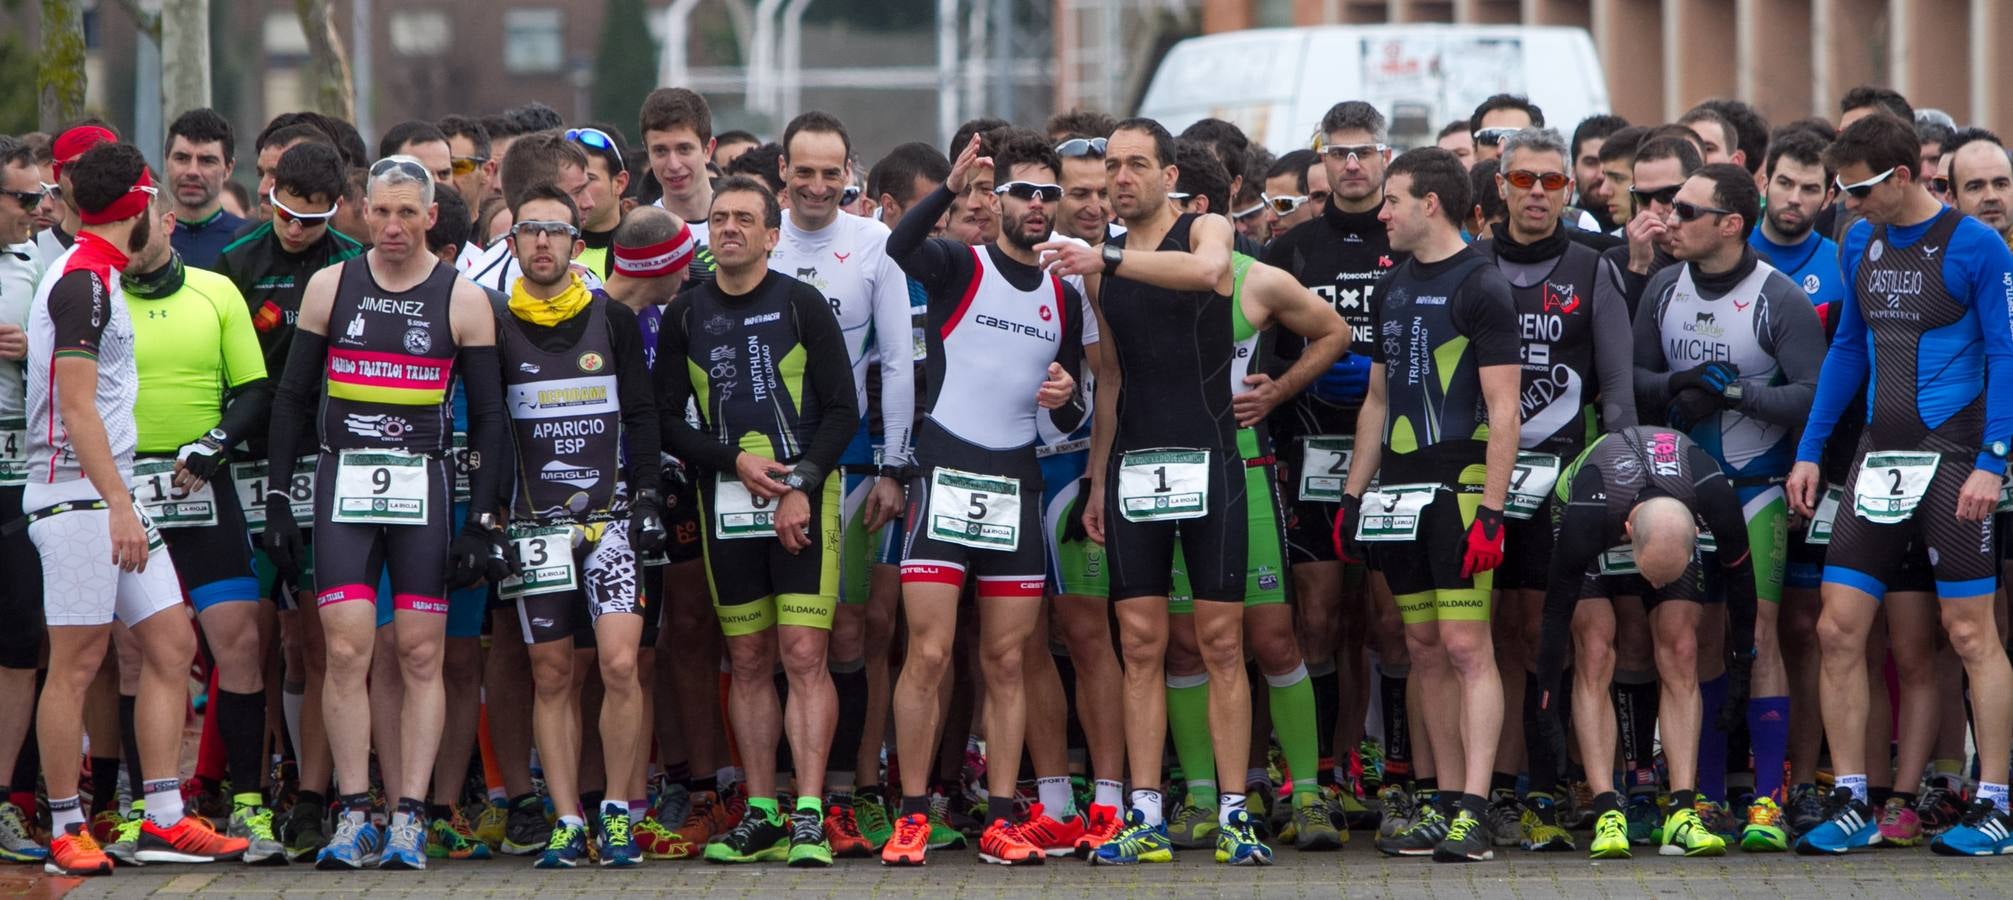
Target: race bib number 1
13,451
1530,481
253,478
1163,485
545,555
1891,484
740,514
977,511
380,487
166,504
1392,513
1324,465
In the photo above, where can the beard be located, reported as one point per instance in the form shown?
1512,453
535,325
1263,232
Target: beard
1794,232
1016,233
143,231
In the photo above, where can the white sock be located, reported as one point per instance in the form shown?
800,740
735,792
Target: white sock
63,811
164,802
574,821
1108,793
1854,783
1993,792
1056,799
400,818
1147,802
1225,805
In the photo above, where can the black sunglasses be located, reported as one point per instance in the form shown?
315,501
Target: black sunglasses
1940,184
1860,189
1663,195
27,199
1687,210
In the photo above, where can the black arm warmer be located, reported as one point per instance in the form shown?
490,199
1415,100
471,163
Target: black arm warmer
293,403
246,408
488,438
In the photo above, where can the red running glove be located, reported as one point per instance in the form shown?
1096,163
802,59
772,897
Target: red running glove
1346,547
1485,543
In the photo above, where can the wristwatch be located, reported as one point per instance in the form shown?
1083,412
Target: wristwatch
218,435
1734,392
1112,257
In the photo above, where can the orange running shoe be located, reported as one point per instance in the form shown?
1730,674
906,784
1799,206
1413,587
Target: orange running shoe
910,841
1101,824
192,840
1052,837
844,833
1002,843
76,853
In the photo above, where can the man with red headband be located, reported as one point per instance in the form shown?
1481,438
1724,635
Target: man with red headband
101,556
64,150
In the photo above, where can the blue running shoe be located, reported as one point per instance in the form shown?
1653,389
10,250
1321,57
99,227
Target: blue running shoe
1238,844
1850,826
617,845
354,846
1985,830
405,847
1137,842
565,849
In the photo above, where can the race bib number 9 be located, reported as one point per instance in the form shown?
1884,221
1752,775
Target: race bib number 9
167,505
545,558
1533,477
252,479
977,511
1392,513
740,514
13,452
1163,485
380,487
1324,466
1891,484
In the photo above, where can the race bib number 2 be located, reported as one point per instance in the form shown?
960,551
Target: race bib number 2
977,511
1163,485
1324,465
1891,484
380,487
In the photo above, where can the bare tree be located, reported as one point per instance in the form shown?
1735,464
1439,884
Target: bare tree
185,56
331,92
60,79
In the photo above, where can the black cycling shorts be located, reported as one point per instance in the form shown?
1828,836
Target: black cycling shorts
605,577
1963,556
681,519
756,584
214,562
20,590
349,557
1527,551
1018,571
1215,545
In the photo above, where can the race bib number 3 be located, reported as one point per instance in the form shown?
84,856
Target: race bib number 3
380,487
1825,517
740,514
1891,484
167,505
13,452
1530,481
545,556
1163,485
977,511
1324,465
1392,513
252,479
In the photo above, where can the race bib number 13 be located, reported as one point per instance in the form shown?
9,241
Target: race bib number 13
545,556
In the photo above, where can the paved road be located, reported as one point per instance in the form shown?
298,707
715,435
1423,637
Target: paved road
1882,875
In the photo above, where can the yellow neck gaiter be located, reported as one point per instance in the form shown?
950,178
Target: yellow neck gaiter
551,312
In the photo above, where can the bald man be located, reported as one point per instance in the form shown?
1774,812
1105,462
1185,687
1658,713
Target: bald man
1629,517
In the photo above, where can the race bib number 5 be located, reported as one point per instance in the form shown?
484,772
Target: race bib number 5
1891,484
1392,513
166,504
1163,485
977,511
1324,465
740,514
380,487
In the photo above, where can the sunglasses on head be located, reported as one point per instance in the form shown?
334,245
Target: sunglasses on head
1075,147
1940,184
29,199
1859,190
1243,214
1285,204
848,196
537,227
285,213
1687,210
405,164
1522,180
1663,195
461,166
1028,190
1490,137
1353,152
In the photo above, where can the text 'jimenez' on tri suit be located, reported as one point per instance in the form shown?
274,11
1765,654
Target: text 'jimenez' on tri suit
769,373
1928,327
575,390
1438,325
995,324
1174,472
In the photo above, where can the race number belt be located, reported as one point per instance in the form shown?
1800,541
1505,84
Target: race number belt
1891,484
250,479
170,506
380,487
1533,477
1163,485
1324,465
1392,513
972,510
545,555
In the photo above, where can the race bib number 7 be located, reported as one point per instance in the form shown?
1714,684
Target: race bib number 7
1533,477
1891,484
380,487
1163,485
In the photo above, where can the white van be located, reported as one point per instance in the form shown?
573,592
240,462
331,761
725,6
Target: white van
1275,83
